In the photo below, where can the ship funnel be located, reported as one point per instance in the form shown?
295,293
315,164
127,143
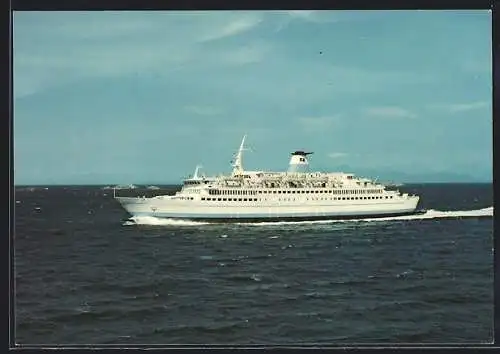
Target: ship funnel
299,162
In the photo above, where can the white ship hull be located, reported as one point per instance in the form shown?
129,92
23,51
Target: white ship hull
166,207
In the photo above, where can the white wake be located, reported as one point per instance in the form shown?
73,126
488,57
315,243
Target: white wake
151,220
429,214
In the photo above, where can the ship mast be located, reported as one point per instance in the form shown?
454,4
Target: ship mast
195,175
237,164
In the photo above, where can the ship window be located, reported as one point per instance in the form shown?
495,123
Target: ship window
343,198
202,198
244,199
255,199
224,199
391,196
288,192
219,199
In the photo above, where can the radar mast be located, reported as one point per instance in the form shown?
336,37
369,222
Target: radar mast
238,164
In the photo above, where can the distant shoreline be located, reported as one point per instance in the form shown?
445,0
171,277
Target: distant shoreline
145,185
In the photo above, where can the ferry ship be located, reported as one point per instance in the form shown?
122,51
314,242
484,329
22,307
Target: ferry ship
297,194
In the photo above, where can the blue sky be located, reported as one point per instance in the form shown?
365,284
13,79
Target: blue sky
142,97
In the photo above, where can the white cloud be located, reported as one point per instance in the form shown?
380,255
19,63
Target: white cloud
303,14
54,49
328,16
462,107
313,124
336,155
389,112
233,27
251,53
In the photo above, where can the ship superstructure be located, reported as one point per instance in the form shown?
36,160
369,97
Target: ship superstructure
297,194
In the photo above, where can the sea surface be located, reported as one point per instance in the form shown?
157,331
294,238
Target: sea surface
87,274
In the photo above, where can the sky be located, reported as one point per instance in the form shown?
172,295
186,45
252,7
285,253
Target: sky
143,97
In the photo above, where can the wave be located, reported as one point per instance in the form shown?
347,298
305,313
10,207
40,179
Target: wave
151,220
429,214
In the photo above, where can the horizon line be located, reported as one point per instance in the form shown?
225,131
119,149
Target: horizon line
180,183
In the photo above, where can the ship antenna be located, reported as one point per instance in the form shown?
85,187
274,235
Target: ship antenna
238,166
195,175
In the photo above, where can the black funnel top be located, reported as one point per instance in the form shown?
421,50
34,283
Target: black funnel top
302,153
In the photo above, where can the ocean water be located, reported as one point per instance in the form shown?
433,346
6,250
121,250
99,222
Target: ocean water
87,274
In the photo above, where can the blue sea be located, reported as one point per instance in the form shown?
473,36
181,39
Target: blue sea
85,273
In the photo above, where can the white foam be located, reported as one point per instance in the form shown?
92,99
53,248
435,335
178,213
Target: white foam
429,214
151,220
